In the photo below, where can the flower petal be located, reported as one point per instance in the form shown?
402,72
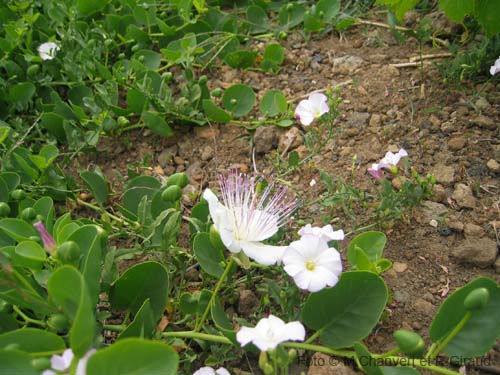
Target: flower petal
222,371
204,371
218,211
317,98
295,331
263,254
245,335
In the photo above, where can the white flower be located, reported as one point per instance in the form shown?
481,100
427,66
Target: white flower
312,182
390,159
376,171
246,218
211,371
269,332
312,264
62,363
312,108
47,51
495,68
326,233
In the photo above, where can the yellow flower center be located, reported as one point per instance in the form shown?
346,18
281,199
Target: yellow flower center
310,266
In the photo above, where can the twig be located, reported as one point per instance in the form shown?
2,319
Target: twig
408,64
305,96
431,56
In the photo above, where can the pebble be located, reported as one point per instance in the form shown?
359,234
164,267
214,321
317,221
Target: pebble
195,172
290,140
482,104
375,120
241,167
463,196
456,225
473,230
430,210
401,296
483,122
457,143
165,157
424,307
178,160
322,364
207,153
248,302
497,265
493,166
481,252
400,267
438,193
346,64
206,132
444,174
265,139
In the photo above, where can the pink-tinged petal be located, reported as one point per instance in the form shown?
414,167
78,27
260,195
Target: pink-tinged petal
376,173
402,153
61,362
47,51
82,363
317,98
48,241
323,108
266,255
337,235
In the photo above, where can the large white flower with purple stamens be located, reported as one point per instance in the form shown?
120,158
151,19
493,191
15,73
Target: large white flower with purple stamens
311,108
246,218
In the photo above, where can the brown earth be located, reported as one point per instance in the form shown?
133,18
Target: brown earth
451,133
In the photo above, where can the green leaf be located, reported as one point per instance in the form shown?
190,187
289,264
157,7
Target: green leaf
257,18
16,362
214,113
89,7
313,23
11,179
97,185
143,325
238,99
17,229
7,323
148,58
275,53
327,9
157,124
487,14
291,14
33,340
67,288
22,92
136,101
349,311
363,263
4,132
53,122
273,103
240,59
29,254
399,370
137,284
457,10
480,332
368,363
134,356
400,7
211,259
293,159
372,243
222,322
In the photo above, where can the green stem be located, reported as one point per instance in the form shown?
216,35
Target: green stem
313,337
27,319
361,229
321,349
389,353
114,327
214,294
422,363
451,335
102,211
198,335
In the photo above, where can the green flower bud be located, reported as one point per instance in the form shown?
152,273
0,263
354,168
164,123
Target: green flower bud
18,194
135,48
121,56
263,360
68,252
40,364
268,369
410,343
477,299
203,80
180,179
33,69
108,42
28,214
217,92
58,323
141,58
292,355
4,209
123,121
109,124
167,76
282,35
171,194
233,101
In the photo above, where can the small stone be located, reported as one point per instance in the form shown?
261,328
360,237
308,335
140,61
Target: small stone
195,172
401,296
463,196
166,156
424,307
433,223
357,43
178,160
483,122
400,267
444,174
435,121
248,303
398,182
438,193
473,230
346,151
322,364
497,265
430,210
351,132
207,153
241,167
265,139
482,104
457,143
493,166
346,64
481,252
456,225
206,132
375,120
290,140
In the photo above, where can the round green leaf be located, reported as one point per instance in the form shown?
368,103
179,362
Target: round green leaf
273,103
240,59
97,185
349,311
157,124
16,362
214,113
137,284
372,243
22,92
29,254
257,18
150,59
17,229
33,340
327,9
239,99
211,259
134,356
480,332
275,53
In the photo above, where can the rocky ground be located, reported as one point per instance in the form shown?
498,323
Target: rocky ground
451,133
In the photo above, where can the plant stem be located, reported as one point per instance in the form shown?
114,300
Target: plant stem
321,349
422,363
27,319
451,335
198,335
361,229
214,294
114,327
101,210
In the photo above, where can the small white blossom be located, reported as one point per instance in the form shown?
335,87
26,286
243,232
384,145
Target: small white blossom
312,264
270,332
392,159
48,50
495,68
247,218
312,182
326,233
376,171
312,108
61,363
211,371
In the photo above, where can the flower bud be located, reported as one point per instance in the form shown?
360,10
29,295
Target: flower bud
28,214
4,209
171,194
18,194
68,252
410,343
217,92
40,364
477,299
263,360
180,179
292,355
58,322
203,79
